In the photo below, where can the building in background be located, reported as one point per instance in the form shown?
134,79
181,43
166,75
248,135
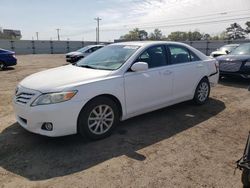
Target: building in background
10,34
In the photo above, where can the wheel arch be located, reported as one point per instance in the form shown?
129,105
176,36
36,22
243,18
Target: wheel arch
110,96
196,85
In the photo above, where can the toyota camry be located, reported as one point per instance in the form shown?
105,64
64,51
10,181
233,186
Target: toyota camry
113,84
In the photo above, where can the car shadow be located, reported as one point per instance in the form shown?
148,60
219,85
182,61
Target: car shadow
39,158
8,69
237,82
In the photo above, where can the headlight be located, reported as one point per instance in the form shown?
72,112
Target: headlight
52,98
247,64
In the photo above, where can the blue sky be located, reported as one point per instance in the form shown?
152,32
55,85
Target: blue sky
76,18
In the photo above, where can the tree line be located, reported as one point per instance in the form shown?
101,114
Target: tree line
233,32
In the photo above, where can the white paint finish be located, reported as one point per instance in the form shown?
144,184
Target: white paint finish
147,89
138,92
58,78
186,76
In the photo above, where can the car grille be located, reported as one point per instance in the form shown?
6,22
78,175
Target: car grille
25,96
230,66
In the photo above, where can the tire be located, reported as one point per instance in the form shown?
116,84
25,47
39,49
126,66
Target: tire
202,92
245,178
2,66
92,122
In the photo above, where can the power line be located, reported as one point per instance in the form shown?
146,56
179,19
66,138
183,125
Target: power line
200,20
197,17
168,21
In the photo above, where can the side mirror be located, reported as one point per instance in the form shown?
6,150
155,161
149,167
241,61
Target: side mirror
227,52
139,66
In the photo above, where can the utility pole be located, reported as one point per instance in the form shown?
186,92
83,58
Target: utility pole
98,30
37,36
58,34
96,35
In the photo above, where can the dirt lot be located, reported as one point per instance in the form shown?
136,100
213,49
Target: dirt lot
179,146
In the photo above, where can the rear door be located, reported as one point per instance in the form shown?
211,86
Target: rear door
188,70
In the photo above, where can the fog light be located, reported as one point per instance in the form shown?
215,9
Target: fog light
47,126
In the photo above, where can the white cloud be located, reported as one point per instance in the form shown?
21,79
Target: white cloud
149,14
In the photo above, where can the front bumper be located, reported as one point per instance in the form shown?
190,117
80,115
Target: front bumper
63,116
73,59
9,61
234,68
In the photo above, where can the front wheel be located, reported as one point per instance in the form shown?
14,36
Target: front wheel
202,92
98,118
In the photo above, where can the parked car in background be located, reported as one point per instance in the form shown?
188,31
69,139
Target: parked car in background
224,50
237,63
7,58
75,56
117,82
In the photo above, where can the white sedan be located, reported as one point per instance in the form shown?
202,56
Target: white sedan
115,83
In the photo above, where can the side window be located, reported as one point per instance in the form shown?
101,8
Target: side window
89,50
95,48
179,54
194,57
154,56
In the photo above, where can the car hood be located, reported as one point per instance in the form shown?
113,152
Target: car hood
58,79
233,58
74,53
219,52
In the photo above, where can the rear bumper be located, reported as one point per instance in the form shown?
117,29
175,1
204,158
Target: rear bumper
214,78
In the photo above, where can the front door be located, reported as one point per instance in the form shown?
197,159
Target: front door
148,89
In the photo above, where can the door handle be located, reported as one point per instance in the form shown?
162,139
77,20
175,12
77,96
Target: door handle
168,72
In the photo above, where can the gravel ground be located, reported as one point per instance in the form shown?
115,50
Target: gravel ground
180,146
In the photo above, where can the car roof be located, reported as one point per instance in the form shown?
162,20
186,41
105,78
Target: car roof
94,45
231,45
148,43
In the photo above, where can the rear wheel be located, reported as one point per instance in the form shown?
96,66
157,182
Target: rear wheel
202,92
98,118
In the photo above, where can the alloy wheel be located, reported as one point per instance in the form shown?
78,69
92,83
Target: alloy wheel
100,119
203,91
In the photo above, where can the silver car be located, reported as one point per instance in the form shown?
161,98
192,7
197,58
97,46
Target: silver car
75,56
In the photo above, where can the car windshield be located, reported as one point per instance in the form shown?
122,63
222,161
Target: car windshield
243,49
83,49
108,58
